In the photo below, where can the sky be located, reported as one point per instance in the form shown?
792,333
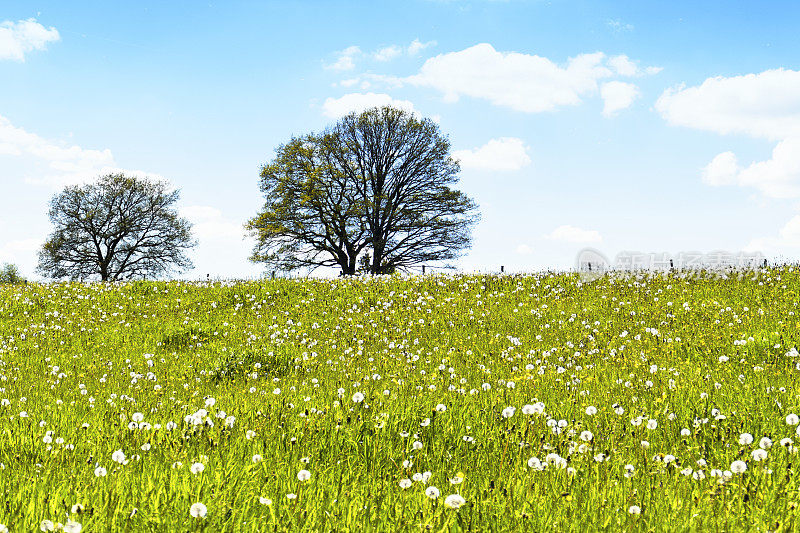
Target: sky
620,126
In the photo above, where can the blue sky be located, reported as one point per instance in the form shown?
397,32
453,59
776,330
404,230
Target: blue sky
650,126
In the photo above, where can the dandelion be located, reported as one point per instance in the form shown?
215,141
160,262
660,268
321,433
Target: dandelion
441,407
432,492
257,458
591,410
118,456
3,528
304,475
46,525
586,436
100,471
417,445
759,454
738,467
745,439
405,483
629,470
765,443
652,424
72,527
454,501
792,419
358,397
77,508
634,510
196,468
291,496
509,411
685,432
198,510
264,501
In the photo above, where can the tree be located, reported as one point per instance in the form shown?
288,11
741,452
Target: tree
119,227
9,274
376,184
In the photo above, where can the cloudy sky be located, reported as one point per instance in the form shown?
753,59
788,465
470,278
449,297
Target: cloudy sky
649,126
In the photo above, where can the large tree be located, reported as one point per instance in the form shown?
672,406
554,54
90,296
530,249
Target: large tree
378,185
118,227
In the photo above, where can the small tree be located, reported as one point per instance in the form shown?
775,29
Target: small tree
375,185
119,227
9,274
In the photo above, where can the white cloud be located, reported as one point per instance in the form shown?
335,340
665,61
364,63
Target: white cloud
417,46
778,177
388,53
19,38
391,52
345,59
764,105
66,165
618,26
223,247
522,82
209,223
623,66
503,154
338,107
617,95
788,237
722,170
569,233
524,249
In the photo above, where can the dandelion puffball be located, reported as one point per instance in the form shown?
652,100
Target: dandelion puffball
198,510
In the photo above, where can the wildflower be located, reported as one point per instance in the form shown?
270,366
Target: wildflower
405,483
634,510
72,527
46,525
591,410
535,464
118,456
257,458
441,407
685,432
417,445
264,501
509,411
765,443
100,471
454,501
745,439
759,454
629,470
196,468
792,419
652,424
77,508
586,436
198,510
432,492
738,467
304,475
291,496
358,397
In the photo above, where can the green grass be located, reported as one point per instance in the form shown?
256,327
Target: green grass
81,360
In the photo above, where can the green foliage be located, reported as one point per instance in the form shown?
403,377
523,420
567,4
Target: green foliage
117,228
10,275
376,184
257,381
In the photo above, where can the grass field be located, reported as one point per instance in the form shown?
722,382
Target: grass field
650,402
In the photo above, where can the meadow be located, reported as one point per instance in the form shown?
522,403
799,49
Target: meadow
644,402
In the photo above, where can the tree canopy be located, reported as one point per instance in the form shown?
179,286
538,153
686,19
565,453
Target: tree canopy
119,227
375,189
